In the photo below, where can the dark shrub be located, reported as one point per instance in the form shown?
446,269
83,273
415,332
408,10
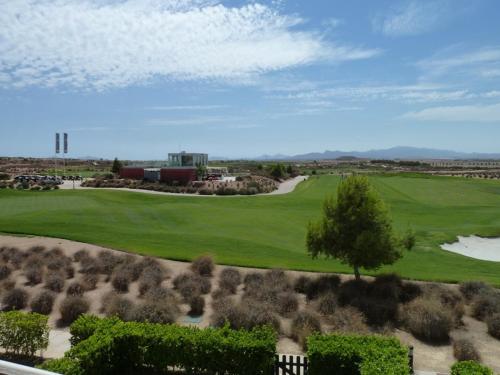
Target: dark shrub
203,265
7,284
301,284
303,325
89,281
352,290
287,303
33,261
277,279
486,305
449,298
55,282
196,305
56,264
5,271
409,291
75,289
221,293
108,261
493,323
133,270
471,289
349,320
120,282
15,299
115,305
80,255
90,265
37,249
327,304
161,294
190,284
71,308
255,315
253,280
155,312
34,275
322,284
230,278
428,320
14,256
464,350
386,286
43,302
70,271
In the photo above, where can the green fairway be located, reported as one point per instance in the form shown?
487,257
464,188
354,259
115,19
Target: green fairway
265,231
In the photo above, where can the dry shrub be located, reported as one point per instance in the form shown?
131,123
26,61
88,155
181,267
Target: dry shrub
449,298
70,271
220,293
327,304
34,275
43,302
7,285
89,281
386,286
37,249
229,279
132,269
80,255
409,291
352,290
72,307
5,271
90,265
196,305
253,280
486,305
471,289
115,305
56,264
108,261
493,323
203,266
189,285
54,253
55,281
33,261
161,294
155,312
121,281
287,303
277,279
464,350
13,256
303,325
15,299
301,284
75,289
428,320
348,320
321,285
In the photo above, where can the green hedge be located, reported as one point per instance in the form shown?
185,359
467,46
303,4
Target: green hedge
353,355
23,333
86,325
128,347
470,368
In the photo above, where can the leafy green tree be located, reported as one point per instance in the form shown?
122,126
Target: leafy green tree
289,169
201,171
278,170
117,165
355,228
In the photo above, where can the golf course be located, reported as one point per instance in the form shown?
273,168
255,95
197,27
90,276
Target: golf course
266,231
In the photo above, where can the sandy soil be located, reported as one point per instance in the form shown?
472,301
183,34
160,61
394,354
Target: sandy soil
476,247
427,357
284,188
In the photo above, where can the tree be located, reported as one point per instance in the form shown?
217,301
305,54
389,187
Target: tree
201,171
117,165
278,170
355,228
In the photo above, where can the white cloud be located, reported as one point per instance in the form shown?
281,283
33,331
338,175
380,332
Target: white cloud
187,107
464,113
104,44
413,18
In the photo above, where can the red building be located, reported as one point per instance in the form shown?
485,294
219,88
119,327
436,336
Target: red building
132,173
182,175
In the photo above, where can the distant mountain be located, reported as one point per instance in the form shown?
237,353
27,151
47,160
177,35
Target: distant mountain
405,153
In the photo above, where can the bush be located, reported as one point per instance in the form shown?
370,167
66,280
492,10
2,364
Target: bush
464,350
486,305
471,289
203,265
348,320
161,294
155,312
71,308
449,298
493,323
470,368
277,279
89,281
108,261
43,302
428,320
75,289
409,291
34,275
90,265
115,305
5,271
253,280
80,255
15,299
327,304
64,366
230,278
190,284
120,282
23,333
301,284
246,315
120,348
303,325
196,305
353,354
55,282
287,303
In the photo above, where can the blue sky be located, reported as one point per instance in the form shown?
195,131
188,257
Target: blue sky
140,78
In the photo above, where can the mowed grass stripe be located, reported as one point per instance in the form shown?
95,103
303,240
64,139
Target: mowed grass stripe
266,231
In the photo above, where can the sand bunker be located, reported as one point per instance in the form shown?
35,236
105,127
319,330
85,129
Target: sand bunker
476,247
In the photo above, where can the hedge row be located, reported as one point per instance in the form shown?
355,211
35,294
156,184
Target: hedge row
23,333
470,368
353,354
117,347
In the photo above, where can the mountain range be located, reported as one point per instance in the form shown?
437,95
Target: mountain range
400,152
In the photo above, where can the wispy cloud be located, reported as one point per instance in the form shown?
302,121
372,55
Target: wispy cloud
105,44
187,107
464,113
195,120
412,18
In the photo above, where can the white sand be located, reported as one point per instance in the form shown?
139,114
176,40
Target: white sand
476,247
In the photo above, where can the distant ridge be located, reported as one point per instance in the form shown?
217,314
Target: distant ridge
400,152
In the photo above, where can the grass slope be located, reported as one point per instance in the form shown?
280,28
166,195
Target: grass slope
265,231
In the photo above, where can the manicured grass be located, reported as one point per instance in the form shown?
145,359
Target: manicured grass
265,231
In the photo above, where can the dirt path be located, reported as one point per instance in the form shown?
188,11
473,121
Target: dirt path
284,188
